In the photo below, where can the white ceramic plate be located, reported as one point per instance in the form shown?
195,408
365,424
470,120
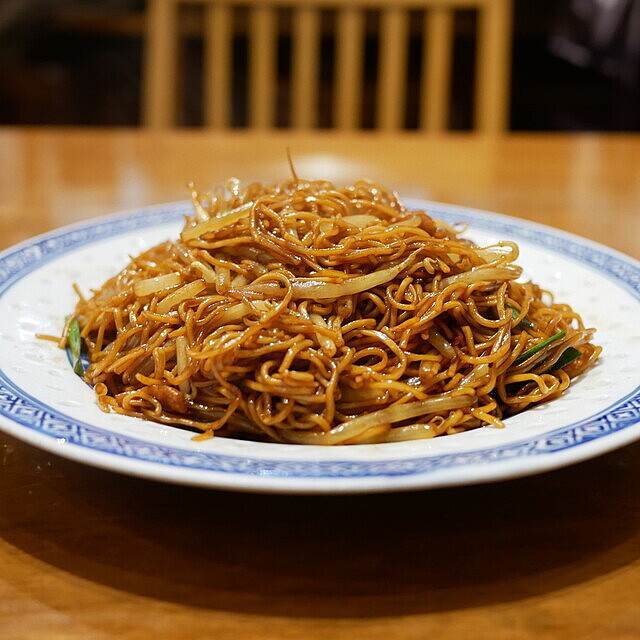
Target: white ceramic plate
42,402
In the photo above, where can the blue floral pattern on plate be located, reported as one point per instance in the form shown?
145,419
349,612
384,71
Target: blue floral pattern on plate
26,412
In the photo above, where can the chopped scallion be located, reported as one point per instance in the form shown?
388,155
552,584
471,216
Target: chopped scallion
525,322
538,347
75,346
568,355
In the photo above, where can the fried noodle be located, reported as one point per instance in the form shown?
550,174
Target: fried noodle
306,313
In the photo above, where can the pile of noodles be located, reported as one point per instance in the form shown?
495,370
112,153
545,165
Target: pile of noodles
306,313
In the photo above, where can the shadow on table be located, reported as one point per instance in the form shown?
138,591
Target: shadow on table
345,556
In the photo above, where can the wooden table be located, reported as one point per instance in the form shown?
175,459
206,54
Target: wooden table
88,554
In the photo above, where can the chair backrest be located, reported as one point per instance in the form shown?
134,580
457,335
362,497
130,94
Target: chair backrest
492,67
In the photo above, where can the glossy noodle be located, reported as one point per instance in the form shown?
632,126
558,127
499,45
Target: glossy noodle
306,313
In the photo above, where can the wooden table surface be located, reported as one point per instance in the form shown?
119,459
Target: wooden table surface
89,554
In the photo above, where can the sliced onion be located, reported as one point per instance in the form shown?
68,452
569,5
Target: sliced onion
201,213
413,221
182,361
205,271
183,293
450,229
263,306
482,274
353,428
234,314
477,373
372,435
152,285
217,223
361,220
492,252
326,343
326,226
411,432
223,279
320,290
239,280
441,344
371,395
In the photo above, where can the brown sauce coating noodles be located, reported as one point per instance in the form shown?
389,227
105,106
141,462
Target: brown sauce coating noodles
306,313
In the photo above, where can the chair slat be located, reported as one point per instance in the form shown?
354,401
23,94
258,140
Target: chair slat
493,66
304,79
161,64
491,100
435,83
262,66
348,78
392,68
217,65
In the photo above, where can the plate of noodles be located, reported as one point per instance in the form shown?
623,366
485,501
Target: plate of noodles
306,337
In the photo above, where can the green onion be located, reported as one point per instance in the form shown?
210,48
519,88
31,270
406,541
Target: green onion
525,322
75,346
568,355
538,347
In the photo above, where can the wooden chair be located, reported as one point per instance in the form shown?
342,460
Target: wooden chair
492,62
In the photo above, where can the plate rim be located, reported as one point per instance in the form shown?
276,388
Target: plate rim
266,480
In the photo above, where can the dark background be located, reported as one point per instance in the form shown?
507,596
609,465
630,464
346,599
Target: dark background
79,63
